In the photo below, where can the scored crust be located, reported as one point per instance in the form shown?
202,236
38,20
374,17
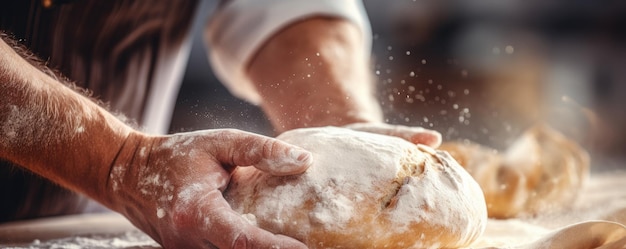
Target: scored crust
364,191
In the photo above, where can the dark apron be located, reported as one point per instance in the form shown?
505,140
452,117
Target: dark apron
109,47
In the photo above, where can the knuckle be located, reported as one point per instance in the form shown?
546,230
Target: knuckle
230,133
269,146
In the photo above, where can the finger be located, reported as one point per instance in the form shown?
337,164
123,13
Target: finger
416,135
427,137
228,229
268,154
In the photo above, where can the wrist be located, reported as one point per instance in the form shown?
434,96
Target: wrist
131,156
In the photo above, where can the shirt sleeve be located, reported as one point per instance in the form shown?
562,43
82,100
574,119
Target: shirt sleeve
239,28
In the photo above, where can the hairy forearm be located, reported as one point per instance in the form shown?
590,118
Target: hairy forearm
54,131
315,73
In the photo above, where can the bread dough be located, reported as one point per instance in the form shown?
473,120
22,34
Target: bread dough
364,190
541,172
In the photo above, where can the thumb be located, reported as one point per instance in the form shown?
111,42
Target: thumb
273,156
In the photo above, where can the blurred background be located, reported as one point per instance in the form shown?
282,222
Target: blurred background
482,70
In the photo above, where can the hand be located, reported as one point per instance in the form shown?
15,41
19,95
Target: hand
416,135
171,186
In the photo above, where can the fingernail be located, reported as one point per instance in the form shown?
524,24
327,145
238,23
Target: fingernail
301,155
432,139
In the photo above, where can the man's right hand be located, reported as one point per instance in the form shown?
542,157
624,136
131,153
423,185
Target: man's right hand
171,186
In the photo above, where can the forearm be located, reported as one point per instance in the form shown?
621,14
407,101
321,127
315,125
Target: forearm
315,73
53,131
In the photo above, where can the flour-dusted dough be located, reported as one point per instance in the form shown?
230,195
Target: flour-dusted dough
542,171
364,191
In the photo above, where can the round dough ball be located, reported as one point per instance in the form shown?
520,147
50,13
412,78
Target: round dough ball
364,190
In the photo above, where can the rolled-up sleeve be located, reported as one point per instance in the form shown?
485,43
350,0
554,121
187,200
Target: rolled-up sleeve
240,27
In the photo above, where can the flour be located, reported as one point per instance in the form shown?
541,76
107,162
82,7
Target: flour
15,125
143,151
187,194
11,124
332,208
283,165
160,213
153,184
175,142
126,240
44,114
116,177
364,185
150,185
603,198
